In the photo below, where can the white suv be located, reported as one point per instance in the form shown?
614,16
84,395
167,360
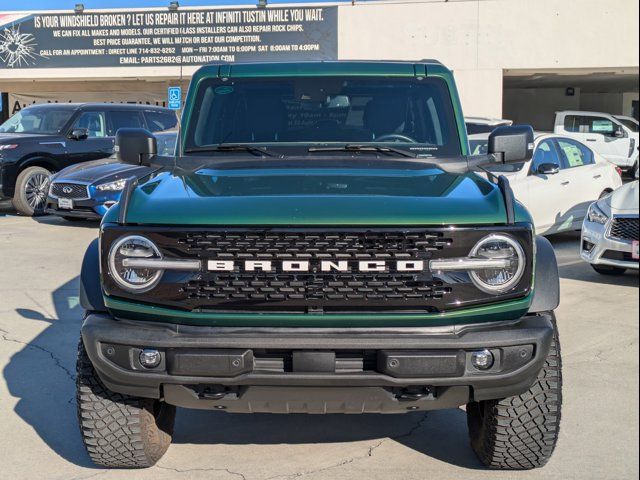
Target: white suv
603,133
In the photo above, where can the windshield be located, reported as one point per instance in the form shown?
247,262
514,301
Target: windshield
290,115
630,124
166,143
37,120
478,147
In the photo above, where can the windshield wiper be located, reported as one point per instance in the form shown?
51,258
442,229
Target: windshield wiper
363,148
232,147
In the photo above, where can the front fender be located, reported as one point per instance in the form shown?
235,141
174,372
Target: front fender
546,294
91,297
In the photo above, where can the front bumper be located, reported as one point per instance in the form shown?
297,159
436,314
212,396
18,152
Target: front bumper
317,370
89,209
597,248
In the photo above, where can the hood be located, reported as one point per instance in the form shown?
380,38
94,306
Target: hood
624,199
306,196
98,171
25,137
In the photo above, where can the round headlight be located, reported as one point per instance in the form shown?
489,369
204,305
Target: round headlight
500,279
134,279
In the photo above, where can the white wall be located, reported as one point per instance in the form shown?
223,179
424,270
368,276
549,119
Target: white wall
480,92
479,39
537,106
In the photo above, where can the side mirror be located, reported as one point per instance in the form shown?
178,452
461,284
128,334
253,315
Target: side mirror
511,144
79,134
619,132
547,169
135,145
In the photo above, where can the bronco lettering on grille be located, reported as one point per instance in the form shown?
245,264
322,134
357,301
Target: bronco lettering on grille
323,266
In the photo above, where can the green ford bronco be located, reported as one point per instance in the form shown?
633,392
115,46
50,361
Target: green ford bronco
322,242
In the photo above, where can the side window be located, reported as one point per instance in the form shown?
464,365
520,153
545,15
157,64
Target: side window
94,123
601,125
545,153
158,121
124,119
572,123
574,153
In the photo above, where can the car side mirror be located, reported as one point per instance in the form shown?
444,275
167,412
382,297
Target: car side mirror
511,144
547,169
619,133
135,145
79,134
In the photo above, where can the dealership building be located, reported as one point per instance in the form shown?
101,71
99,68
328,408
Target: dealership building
515,59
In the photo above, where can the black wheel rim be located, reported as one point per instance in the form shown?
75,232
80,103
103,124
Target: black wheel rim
35,190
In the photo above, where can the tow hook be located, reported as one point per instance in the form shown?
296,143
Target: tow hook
413,394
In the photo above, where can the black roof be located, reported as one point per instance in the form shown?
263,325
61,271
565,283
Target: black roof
98,105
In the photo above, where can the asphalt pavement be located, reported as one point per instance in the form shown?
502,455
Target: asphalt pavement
39,323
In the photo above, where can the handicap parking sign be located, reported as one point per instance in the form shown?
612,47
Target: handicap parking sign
175,98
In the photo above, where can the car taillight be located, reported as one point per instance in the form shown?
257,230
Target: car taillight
619,170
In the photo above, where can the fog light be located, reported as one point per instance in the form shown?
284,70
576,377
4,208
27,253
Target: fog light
587,246
482,359
150,358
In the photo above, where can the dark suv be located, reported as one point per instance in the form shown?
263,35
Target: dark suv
43,139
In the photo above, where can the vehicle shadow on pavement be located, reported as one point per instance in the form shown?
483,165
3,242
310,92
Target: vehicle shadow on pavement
42,374
584,272
59,221
441,435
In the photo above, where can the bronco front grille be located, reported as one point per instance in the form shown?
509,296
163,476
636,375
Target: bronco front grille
316,290
625,228
74,191
314,245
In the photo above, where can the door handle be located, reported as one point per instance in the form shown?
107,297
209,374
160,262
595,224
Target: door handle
564,184
597,176
592,139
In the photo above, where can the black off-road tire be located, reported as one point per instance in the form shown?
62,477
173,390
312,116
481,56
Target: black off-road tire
21,196
611,271
520,432
120,431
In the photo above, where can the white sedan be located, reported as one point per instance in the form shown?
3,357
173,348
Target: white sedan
610,232
560,182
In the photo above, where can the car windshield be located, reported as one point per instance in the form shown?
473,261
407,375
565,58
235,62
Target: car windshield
37,120
291,115
630,124
166,143
478,147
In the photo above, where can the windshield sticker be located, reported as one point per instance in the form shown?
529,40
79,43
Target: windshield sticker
602,126
573,154
224,90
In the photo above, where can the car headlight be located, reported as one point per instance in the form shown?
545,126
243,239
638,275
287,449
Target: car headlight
596,215
502,278
9,146
114,186
131,277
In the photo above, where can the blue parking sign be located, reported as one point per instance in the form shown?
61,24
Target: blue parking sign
175,98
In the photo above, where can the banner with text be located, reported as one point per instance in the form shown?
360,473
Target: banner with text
163,38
